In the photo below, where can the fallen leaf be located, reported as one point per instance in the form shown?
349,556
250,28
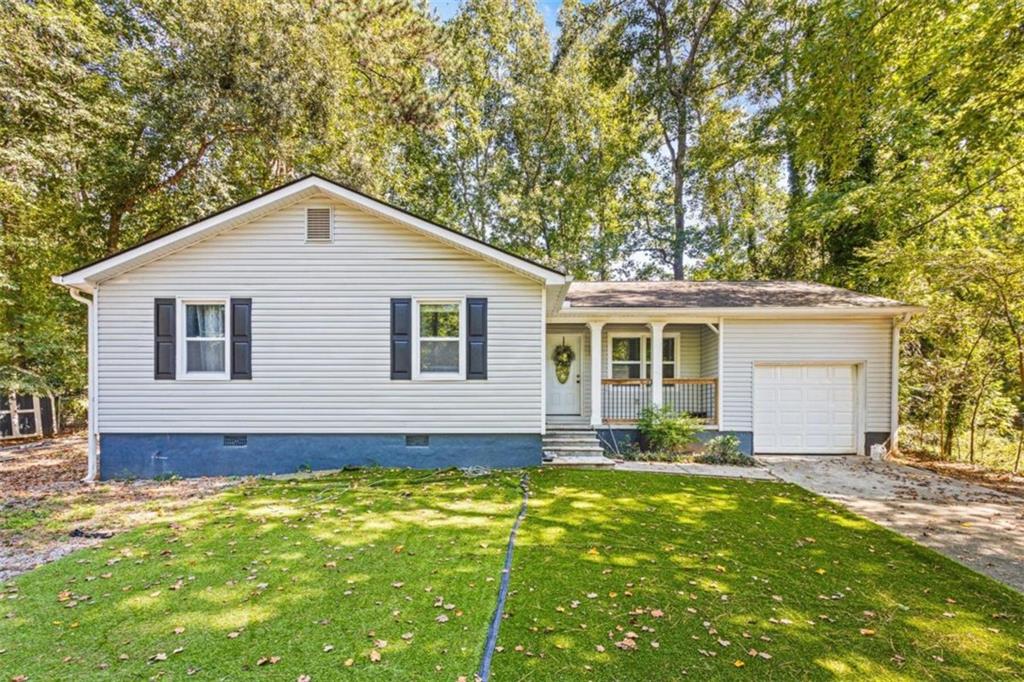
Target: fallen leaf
374,655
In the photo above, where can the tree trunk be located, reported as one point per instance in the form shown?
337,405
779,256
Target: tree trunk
1020,446
679,197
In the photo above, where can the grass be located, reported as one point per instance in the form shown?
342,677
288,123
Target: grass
308,575
704,575
709,578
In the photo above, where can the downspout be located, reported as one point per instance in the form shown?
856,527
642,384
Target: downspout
92,470
894,384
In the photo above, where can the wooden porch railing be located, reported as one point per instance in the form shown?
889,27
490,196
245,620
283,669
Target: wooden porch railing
623,400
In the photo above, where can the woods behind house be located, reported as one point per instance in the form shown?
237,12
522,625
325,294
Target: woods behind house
877,145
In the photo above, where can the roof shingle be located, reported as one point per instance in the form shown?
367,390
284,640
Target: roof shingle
719,294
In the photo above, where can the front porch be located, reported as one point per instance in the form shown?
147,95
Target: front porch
612,386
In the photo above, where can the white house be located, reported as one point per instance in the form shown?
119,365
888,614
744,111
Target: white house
316,326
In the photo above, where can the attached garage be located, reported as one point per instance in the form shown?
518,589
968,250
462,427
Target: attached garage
806,409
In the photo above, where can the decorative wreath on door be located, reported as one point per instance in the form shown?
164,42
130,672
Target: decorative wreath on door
563,357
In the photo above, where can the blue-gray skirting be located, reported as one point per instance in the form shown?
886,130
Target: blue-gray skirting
620,439
150,455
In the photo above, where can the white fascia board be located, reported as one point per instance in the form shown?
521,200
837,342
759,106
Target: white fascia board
83,278
567,314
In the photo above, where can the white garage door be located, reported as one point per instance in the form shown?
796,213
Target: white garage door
805,409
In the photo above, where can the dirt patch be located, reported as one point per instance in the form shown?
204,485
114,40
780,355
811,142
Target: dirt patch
46,511
1002,481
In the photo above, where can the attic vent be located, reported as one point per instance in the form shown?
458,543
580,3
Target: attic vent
318,224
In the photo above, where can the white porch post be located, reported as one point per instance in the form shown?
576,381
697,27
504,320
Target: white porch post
719,402
595,373
657,395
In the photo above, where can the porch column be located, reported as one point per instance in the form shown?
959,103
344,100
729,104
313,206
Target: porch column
595,373
657,394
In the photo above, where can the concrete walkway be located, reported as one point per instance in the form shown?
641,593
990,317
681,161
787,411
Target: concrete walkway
977,526
693,469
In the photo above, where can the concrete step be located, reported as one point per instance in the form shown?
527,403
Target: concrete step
569,427
574,452
571,435
581,462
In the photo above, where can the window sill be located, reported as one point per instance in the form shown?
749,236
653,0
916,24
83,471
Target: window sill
204,377
438,377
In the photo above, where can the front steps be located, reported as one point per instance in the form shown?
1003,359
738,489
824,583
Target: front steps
574,445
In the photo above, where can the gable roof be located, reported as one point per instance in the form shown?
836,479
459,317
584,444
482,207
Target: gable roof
719,295
305,187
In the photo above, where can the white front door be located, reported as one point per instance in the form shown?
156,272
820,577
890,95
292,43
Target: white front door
564,398
805,409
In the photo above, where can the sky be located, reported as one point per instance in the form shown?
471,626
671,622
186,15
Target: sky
548,8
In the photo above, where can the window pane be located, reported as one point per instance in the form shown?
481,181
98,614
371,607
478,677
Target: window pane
204,321
668,347
624,371
668,371
626,349
439,356
205,356
440,320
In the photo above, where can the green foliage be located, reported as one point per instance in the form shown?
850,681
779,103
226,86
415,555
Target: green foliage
724,450
872,145
663,430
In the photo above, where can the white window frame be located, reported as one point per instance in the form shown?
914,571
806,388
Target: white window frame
438,376
305,224
644,337
182,351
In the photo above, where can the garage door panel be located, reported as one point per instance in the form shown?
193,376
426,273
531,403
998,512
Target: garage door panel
805,409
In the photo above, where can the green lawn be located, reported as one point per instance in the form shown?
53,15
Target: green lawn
672,577
313,575
704,576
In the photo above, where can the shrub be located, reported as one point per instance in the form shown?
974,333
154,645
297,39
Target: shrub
663,430
724,450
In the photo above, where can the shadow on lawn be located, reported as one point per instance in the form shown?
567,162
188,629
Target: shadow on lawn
315,572
737,569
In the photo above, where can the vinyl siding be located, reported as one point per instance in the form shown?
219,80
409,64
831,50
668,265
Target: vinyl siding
321,323
750,341
708,352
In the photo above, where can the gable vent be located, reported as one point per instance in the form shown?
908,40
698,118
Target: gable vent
318,224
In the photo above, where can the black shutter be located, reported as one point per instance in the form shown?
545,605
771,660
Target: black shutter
241,338
163,338
401,338
476,343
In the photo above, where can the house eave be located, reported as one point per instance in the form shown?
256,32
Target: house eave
617,313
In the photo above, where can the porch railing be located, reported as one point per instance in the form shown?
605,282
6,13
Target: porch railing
698,397
622,400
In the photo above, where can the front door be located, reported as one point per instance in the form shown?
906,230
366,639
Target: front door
563,388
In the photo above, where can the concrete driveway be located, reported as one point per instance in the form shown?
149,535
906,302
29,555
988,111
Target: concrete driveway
977,526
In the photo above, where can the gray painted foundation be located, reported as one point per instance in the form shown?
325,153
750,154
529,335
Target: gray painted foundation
150,455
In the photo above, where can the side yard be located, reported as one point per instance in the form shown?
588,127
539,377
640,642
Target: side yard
46,511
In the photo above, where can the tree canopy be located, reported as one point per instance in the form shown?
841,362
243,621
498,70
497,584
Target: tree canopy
873,144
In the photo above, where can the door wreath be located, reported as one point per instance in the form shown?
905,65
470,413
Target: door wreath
563,357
